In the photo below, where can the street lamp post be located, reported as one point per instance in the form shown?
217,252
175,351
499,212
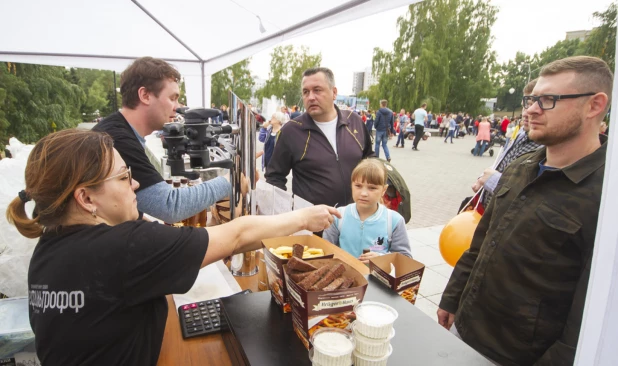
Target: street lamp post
511,91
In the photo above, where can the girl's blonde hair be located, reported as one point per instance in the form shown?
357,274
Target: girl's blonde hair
371,171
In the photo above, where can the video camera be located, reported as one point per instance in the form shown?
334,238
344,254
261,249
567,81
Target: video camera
193,138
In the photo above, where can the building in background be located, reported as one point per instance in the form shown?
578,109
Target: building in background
369,79
580,34
357,82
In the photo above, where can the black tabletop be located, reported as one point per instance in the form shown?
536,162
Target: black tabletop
266,337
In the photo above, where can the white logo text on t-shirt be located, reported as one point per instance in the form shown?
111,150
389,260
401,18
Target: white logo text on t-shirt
42,299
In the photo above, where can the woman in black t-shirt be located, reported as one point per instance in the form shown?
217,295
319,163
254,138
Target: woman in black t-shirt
98,276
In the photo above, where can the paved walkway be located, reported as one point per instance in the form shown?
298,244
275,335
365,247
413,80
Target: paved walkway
439,176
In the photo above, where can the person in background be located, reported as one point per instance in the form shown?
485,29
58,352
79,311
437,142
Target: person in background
150,92
603,129
504,125
420,117
441,125
467,121
369,123
517,295
514,148
430,120
225,117
458,121
321,147
268,135
451,127
483,137
403,123
286,114
384,124
366,223
295,112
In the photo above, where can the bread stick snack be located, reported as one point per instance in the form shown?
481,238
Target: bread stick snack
300,265
313,278
277,253
298,250
334,272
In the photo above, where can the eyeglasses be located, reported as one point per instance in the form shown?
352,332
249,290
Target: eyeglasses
126,172
547,102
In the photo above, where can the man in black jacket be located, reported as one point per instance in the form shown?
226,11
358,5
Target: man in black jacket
321,147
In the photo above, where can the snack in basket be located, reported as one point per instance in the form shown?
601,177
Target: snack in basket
298,250
300,265
313,278
334,272
349,282
335,284
286,252
325,278
297,276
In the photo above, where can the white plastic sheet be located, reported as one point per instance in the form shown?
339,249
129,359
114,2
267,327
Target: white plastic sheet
15,250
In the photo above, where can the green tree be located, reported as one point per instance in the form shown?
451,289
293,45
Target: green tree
602,40
236,78
34,96
373,94
286,72
442,57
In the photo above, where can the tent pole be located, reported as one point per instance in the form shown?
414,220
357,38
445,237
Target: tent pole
203,86
167,30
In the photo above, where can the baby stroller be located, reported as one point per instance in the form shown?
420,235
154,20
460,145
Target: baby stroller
397,196
496,139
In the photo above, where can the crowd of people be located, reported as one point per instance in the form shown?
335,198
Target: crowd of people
516,296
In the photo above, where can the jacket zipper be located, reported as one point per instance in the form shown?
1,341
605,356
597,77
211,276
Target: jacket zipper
345,195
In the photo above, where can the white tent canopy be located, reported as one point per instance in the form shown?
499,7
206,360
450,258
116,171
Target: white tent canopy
203,37
198,37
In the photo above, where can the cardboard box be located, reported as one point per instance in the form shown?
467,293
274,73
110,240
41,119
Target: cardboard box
274,264
408,274
312,310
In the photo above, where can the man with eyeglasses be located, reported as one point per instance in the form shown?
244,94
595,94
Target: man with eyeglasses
517,295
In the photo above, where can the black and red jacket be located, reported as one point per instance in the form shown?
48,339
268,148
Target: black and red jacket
320,175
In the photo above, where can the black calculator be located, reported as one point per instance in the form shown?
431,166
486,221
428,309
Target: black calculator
202,317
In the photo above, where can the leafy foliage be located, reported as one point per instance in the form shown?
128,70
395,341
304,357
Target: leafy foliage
286,72
236,78
442,57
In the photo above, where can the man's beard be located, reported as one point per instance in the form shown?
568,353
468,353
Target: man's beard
557,135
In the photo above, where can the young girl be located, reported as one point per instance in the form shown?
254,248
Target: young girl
367,224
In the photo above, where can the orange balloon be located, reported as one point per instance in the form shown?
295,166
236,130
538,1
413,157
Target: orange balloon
457,234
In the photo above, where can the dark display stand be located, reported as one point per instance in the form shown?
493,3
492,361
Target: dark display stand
260,334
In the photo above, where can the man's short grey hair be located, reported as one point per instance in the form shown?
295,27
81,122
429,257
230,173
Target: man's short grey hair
330,77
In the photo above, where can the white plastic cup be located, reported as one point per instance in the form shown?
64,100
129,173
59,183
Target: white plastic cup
362,360
332,347
369,346
374,319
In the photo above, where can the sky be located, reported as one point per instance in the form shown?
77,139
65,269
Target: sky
529,26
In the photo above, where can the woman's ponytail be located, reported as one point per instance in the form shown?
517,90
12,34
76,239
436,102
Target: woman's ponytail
16,215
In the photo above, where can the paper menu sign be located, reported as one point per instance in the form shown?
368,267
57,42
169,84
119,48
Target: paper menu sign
264,197
283,201
301,203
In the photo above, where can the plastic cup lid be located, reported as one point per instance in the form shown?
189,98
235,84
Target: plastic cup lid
377,308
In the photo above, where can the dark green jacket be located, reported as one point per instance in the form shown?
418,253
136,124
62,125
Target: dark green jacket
519,291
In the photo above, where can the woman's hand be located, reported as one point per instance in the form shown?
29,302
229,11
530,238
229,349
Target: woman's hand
366,256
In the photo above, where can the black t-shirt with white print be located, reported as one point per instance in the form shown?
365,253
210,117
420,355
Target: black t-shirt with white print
97,293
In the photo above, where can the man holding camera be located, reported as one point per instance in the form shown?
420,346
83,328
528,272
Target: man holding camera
150,92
